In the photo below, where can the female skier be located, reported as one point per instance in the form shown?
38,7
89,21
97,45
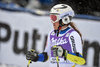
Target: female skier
64,44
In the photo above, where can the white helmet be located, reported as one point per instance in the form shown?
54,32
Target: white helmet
61,11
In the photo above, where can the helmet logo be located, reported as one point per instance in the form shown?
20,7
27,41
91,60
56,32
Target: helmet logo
63,6
57,10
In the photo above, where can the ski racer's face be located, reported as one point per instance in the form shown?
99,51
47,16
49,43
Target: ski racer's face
55,20
56,25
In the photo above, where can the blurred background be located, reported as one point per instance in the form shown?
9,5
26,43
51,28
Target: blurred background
24,25
89,7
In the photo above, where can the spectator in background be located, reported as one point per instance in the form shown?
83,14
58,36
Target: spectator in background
41,4
22,3
47,4
6,1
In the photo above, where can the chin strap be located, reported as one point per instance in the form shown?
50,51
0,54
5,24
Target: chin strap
57,31
59,28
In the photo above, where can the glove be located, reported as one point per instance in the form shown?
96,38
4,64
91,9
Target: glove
58,51
32,55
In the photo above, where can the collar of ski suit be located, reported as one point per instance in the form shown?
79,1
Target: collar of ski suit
63,31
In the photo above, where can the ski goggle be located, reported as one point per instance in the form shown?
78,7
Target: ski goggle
54,18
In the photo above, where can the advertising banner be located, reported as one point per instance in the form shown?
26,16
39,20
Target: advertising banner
20,32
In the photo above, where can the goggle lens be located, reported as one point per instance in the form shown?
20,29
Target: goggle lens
53,17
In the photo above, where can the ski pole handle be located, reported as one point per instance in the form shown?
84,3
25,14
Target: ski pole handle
30,60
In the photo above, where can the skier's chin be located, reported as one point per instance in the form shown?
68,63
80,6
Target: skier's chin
55,29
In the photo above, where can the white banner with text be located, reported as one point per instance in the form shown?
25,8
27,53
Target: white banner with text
20,32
